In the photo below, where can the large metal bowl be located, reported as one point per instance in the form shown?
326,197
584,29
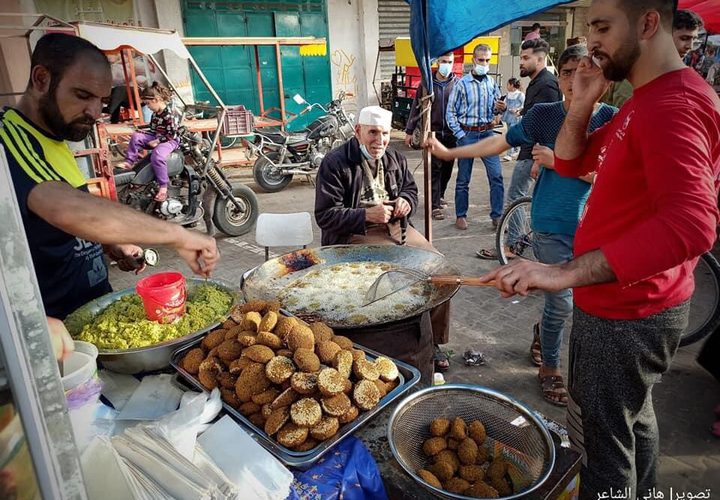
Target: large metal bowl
268,280
144,359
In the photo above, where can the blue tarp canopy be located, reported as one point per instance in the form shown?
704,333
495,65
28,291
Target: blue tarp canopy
439,26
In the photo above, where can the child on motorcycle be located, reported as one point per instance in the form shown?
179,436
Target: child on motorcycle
161,137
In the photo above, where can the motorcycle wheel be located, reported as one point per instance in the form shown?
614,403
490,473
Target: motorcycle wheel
269,181
228,219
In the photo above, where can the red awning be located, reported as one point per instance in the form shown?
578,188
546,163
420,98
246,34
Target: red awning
709,10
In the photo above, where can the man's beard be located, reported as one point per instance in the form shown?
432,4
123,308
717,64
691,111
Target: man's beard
527,71
617,68
76,130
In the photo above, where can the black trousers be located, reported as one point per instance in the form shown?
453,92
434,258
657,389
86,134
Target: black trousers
441,172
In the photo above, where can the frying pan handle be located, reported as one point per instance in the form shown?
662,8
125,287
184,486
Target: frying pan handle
459,280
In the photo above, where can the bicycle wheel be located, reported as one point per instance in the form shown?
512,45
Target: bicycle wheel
705,301
514,232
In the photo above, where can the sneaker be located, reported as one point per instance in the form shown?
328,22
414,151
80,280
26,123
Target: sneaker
507,158
438,214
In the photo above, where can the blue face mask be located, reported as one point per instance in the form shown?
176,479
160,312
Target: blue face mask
481,69
445,68
365,152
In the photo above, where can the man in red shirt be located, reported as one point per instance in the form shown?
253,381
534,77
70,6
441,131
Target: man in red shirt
651,212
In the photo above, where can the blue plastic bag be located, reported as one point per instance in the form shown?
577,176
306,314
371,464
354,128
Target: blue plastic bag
347,472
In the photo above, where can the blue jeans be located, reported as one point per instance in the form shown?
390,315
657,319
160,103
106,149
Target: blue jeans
553,248
494,174
519,187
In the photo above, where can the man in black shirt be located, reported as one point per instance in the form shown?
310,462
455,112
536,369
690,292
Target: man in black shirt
543,87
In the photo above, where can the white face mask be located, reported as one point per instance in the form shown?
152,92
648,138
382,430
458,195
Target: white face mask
365,152
445,68
481,69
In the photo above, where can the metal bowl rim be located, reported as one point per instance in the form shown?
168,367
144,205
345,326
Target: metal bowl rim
173,342
521,407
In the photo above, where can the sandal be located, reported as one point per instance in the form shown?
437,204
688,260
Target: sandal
441,360
487,254
553,389
161,195
536,346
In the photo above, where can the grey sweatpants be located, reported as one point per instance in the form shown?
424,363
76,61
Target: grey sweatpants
612,369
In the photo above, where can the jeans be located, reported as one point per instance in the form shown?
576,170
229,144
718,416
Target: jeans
519,187
441,173
158,157
552,248
494,175
614,365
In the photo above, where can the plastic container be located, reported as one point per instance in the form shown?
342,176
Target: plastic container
80,365
238,121
82,390
163,295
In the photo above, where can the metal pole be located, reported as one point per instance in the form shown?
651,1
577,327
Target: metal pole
278,58
259,81
136,105
427,167
207,83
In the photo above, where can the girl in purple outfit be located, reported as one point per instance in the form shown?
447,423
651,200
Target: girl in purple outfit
161,138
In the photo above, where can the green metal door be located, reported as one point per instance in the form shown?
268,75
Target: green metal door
232,70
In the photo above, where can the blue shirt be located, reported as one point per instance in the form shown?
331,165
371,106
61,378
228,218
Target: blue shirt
558,201
471,103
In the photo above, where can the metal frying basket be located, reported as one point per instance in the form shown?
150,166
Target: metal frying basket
513,431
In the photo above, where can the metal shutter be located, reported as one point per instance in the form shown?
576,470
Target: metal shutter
394,20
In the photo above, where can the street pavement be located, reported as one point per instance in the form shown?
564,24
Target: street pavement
501,328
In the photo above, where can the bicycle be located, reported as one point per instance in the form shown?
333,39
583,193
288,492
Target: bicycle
704,303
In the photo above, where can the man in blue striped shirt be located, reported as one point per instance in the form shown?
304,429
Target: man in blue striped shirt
470,114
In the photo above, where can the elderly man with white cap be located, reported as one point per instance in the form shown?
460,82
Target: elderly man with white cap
365,194
364,190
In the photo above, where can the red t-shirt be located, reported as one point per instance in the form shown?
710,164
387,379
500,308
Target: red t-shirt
653,206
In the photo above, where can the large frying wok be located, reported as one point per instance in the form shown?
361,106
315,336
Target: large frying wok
265,282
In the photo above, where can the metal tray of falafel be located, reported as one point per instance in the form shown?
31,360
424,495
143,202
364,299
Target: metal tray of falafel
296,387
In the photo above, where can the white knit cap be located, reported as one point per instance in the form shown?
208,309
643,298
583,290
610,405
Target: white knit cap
375,115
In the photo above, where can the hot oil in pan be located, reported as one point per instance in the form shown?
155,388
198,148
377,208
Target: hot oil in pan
297,261
336,294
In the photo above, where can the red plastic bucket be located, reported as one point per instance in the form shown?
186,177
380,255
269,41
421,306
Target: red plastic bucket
163,295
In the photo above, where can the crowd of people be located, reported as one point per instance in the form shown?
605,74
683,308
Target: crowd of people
624,201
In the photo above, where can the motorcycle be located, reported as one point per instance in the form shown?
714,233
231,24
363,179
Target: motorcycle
282,154
198,189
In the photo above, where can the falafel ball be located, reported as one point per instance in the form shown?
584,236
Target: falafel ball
429,478
439,426
457,485
467,451
279,369
306,360
326,351
434,445
458,429
191,361
476,430
472,473
321,331
481,490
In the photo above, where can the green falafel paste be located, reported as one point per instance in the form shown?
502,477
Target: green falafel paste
123,324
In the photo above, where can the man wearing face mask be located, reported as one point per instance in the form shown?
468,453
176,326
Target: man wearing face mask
443,83
470,115
363,191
